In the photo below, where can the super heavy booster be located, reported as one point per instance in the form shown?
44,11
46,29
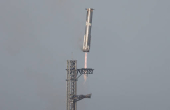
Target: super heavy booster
87,36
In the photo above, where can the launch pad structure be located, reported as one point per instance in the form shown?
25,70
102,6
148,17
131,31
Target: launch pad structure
73,73
72,77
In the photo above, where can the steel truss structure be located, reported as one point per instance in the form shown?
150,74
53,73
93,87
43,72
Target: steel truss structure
72,77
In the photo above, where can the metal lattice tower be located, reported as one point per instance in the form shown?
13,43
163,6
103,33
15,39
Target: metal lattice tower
71,83
72,75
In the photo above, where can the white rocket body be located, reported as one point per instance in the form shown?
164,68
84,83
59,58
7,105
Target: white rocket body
87,36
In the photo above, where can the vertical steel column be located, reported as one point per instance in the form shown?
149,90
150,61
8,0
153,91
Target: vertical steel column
71,84
68,84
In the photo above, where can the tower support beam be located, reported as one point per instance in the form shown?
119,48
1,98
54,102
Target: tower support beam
72,76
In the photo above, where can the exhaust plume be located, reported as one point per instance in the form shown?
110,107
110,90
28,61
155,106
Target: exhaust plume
85,66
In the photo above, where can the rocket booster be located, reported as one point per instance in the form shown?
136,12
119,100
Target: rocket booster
87,36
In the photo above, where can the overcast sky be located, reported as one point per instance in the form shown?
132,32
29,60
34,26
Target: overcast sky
129,52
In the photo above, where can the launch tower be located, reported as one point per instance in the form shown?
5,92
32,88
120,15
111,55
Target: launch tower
72,77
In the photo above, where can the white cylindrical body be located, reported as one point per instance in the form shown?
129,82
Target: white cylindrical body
87,36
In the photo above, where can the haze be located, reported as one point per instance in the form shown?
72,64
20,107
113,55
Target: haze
129,52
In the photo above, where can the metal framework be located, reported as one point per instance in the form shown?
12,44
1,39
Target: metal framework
72,76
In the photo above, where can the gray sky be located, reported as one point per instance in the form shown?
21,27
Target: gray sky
129,52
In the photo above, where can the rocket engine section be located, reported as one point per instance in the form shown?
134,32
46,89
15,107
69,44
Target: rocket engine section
87,36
